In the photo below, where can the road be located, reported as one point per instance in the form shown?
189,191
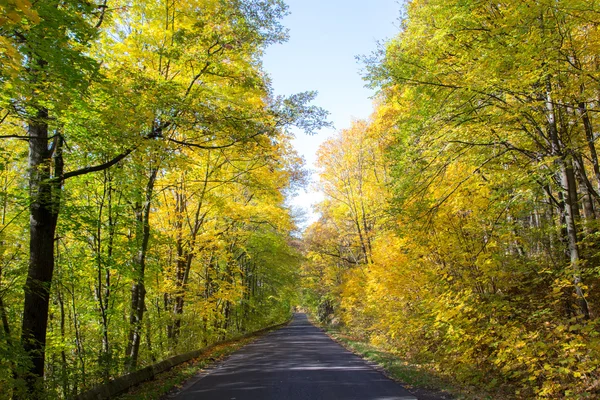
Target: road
297,362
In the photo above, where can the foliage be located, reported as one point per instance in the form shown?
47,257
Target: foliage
481,240
160,161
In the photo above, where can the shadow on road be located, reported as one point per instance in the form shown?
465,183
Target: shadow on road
297,362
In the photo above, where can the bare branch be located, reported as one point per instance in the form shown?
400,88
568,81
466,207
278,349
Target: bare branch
103,8
205,147
95,168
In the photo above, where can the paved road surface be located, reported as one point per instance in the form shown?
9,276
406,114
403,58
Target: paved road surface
297,362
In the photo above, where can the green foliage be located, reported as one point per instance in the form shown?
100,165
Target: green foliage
167,160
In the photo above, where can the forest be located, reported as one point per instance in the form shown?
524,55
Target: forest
460,225
145,165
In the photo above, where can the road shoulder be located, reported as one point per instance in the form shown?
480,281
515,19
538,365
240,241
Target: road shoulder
421,384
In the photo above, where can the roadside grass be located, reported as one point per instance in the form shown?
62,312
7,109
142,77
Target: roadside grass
422,381
396,368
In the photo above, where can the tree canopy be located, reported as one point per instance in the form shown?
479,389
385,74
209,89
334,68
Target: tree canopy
152,217
469,241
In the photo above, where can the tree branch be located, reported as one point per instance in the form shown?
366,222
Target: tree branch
103,8
224,146
95,168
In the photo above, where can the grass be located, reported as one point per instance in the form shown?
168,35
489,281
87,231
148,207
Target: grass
422,381
396,368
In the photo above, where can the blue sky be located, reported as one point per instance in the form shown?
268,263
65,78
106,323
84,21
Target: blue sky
325,38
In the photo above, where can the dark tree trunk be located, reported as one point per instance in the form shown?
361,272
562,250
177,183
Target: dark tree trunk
138,288
103,283
44,208
185,255
4,317
589,135
63,355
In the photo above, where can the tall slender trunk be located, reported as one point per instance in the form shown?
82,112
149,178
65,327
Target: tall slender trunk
589,135
184,267
149,341
571,219
103,277
3,314
4,317
571,210
5,324
78,340
138,288
185,254
63,355
361,238
367,229
180,267
587,197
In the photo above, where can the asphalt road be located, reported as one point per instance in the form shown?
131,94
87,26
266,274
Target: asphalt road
297,362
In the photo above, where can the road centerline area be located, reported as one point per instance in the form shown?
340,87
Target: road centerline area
296,362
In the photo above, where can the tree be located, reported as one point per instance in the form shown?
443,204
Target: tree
490,213
52,52
93,87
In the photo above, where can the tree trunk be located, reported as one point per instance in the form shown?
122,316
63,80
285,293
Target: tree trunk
103,278
5,325
185,255
571,218
44,208
63,355
589,134
587,197
138,289
571,210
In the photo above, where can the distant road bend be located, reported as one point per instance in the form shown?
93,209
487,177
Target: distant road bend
297,362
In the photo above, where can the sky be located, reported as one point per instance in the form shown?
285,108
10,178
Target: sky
325,38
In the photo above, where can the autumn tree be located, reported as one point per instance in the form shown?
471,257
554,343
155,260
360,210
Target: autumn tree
484,257
111,99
